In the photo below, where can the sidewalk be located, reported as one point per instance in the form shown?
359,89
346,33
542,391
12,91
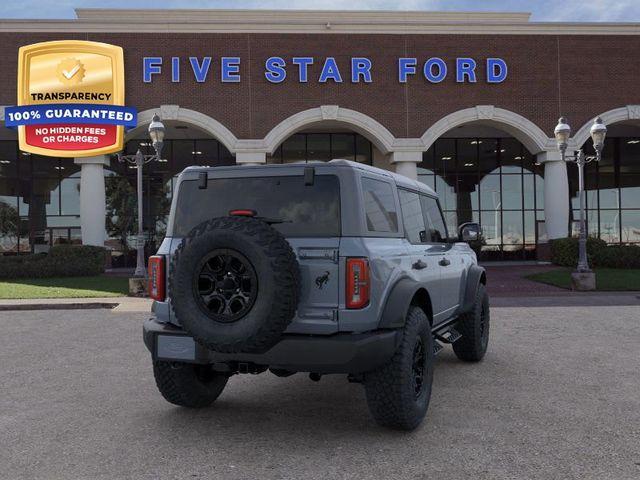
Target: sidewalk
508,281
506,286
117,304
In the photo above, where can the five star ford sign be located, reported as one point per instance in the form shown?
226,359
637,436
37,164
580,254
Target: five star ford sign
70,99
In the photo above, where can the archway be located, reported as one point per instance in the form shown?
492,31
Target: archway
185,116
191,138
485,170
521,128
328,132
612,186
329,115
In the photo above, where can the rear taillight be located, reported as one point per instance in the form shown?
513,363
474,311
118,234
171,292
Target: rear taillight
242,213
357,282
156,277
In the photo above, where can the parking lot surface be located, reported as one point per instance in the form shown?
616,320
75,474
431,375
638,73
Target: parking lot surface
558,396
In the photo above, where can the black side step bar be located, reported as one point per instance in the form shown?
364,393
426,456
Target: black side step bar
445,334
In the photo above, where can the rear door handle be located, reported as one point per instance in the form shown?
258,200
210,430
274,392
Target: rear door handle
419,265
444,262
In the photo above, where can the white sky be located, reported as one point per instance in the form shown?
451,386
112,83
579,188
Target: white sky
543,10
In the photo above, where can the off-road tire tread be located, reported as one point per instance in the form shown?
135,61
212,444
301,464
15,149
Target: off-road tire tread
287,281
469,347
181,387
386,388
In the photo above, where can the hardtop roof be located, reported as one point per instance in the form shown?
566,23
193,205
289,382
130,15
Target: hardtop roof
399,180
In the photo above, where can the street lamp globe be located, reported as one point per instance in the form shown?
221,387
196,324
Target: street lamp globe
562,133
156,132
598,132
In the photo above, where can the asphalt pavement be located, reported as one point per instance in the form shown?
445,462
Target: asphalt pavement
558,396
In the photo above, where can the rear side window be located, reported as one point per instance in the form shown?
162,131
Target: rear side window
379,206
436,230
412,217
298,210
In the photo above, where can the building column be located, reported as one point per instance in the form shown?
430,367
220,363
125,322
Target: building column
406,163
556,194
93,209
251,158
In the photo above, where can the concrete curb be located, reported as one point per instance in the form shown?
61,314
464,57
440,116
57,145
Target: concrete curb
56,306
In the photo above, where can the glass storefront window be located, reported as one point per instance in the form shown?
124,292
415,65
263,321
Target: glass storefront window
487,158
70,196
446,193
511,155
490,193
294,149
610,226
630,223
512,229
491,228
364,150
494,181
8,159
530,227
467,192
445,156
343,145
512,192
630,190
466,156
318,147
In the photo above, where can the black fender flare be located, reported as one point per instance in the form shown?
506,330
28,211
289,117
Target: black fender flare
398,302
475,276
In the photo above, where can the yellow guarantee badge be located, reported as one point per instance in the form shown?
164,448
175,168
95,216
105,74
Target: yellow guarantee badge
71,99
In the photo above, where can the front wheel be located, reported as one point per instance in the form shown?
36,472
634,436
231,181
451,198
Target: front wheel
398,393
188,385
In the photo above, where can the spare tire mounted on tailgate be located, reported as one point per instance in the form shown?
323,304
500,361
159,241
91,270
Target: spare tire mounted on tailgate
235,284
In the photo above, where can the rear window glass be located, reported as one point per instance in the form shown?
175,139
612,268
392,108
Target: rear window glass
303,210
379,206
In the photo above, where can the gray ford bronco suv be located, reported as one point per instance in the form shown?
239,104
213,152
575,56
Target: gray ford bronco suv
322,268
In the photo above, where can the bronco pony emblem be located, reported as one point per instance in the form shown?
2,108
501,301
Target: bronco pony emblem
322,280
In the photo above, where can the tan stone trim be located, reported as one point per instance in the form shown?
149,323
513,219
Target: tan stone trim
296,21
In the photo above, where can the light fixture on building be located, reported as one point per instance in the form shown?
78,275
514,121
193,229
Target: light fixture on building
59,168
562,133
197,152
469,164
517,158
156,134
446,158
4,162
476,142
633,142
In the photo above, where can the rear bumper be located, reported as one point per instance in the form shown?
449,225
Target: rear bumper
339,353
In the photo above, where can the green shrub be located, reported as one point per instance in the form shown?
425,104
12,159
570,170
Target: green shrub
61,261
618,256
564,252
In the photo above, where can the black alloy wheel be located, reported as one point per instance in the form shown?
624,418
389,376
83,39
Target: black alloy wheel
225,285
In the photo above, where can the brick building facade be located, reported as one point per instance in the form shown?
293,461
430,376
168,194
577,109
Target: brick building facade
258,113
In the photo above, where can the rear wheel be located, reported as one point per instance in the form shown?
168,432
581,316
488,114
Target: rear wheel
474,328
188,385
398,393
